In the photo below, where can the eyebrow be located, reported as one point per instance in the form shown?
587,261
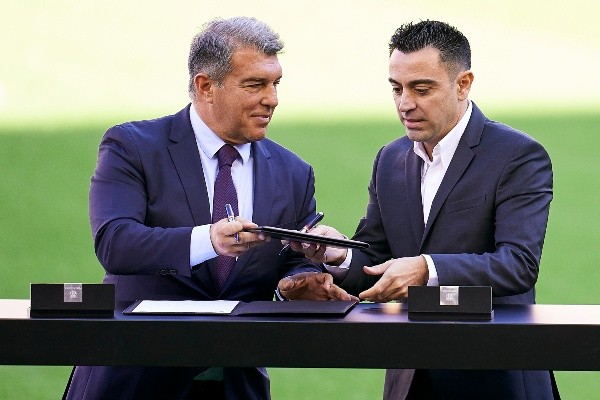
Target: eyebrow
258,80
416,82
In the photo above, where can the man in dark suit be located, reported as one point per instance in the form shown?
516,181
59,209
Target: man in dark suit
154,204
459,200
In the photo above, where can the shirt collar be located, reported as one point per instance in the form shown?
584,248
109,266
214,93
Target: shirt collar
447,146
209,142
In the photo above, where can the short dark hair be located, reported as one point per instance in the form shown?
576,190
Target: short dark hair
213,47
453,46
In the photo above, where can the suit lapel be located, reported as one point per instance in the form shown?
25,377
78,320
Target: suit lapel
184,153
460,162
413,189
186,159
263,184
263,200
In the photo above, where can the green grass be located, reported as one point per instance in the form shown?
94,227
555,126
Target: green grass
45,235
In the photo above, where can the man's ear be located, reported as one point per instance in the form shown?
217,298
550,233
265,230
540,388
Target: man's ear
204,87
464,80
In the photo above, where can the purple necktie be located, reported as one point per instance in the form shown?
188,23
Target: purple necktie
224,193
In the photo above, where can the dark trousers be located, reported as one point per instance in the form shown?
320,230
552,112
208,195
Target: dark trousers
177,383
514,385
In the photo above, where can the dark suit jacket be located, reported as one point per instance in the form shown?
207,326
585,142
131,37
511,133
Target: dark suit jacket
487,221
146,195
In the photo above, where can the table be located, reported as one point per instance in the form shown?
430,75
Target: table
558,337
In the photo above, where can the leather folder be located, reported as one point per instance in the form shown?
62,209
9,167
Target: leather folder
298,236
255,308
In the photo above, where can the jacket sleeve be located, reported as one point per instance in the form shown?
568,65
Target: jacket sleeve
370,229
117,205
522,203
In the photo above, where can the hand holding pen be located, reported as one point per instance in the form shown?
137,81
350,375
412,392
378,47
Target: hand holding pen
222,233
311,224
231,218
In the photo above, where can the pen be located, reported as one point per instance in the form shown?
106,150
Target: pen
231,218
311,224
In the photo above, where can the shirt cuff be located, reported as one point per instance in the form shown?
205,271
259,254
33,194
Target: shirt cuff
201,248
433,275
339,272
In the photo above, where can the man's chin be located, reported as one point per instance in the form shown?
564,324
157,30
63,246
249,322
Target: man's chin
416,135
258,134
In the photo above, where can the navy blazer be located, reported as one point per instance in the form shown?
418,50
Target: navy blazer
486,226
487,221
148,192
146,195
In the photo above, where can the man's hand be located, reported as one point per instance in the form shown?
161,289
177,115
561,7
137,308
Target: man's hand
312,286
223,237
397,275
320,253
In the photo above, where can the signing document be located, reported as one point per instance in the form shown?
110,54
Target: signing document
183,307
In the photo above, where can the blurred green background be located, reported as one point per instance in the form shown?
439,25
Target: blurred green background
69,70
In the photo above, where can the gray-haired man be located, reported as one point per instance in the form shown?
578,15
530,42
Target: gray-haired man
155,204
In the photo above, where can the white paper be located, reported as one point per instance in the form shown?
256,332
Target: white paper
185,307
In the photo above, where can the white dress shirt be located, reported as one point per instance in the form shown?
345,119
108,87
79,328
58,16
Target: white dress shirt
432,174
434,170
201,248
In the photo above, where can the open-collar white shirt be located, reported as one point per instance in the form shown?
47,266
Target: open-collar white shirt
432,174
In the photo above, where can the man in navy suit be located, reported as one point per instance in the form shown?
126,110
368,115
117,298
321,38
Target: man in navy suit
459,200
151,202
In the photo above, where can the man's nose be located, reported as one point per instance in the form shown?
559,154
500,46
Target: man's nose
270,97
405,102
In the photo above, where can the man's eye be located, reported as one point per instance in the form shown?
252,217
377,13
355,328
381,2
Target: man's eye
397,90
421,90
255,85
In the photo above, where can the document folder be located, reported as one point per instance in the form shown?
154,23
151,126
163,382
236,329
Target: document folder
315,307
224,307
297,236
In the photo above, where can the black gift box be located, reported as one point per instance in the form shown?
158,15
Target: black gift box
450,303
72,300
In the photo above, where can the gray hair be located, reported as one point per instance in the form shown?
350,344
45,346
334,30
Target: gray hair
212,48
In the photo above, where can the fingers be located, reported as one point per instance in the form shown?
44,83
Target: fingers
383,291
239,227
247,224
320,253
285,286
324,230
335,292
296,286
312,251
378,269
312,286
382,297
329,290
228,238
397,275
